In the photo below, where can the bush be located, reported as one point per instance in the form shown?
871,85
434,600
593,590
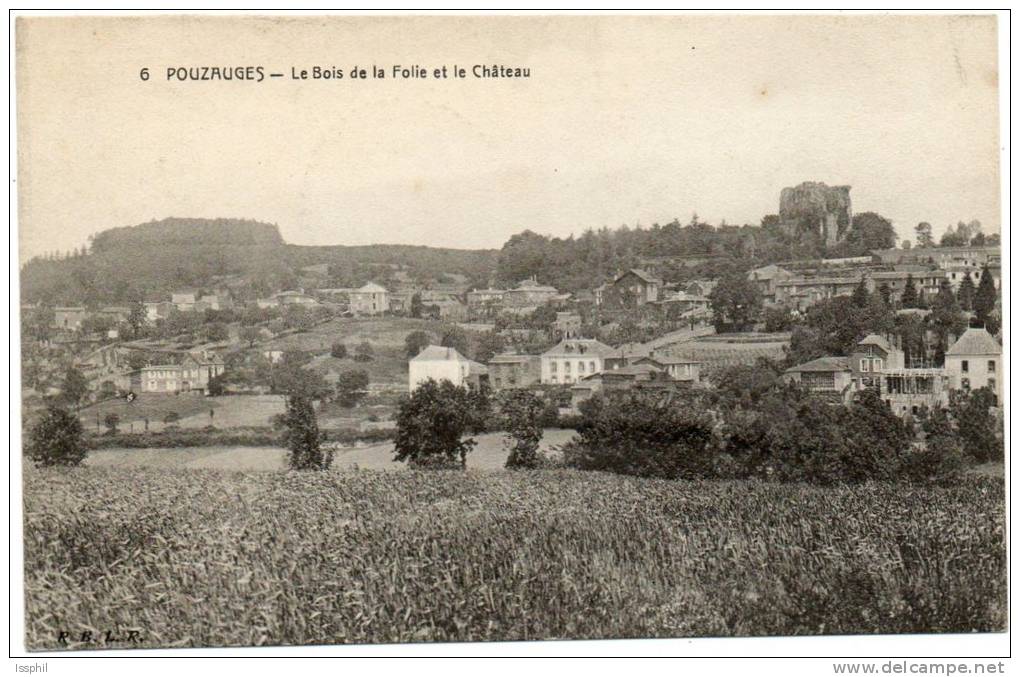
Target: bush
522,412
351,387
171,419
57,438
111,420
338,350
635,433
940,461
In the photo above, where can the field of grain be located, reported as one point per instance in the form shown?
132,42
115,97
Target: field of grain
214,558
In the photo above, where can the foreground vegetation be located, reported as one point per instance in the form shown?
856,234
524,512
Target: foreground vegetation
304,558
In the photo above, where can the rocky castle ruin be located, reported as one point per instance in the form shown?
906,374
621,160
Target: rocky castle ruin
818,208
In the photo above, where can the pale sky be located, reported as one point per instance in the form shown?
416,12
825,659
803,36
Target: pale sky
623,120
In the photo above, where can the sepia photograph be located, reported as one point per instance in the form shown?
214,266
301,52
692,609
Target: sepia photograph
403,329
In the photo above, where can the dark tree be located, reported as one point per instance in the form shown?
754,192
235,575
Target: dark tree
909,298
338,350
171,419
522,412
487,345
416,305
431,425
364,352
456,338
736,302
415,342
860,296
924,236
870,231
302,436
112,420
977,426
57,438
985,297
75,387
965,294
217,331
885,293
249,335
351,387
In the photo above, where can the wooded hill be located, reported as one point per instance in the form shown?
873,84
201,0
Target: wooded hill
149,260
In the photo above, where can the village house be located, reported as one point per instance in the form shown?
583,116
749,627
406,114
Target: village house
443,307
480,299
217,301
369,299
400,302
926,281
192,375
827,376
510,370
871,356
974,256
633,288
157,310
573,359
646,376
116,314
440,363
69,317
800,293
700,287
527,297
184,300
680,369
766,279
975,361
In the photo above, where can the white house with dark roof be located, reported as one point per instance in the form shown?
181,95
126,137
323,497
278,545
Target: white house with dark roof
440,363
975,361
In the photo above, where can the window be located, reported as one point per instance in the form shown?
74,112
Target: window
991,366
876,364
864,365
991,384
580,367
552,366
566,367
591,366
964,366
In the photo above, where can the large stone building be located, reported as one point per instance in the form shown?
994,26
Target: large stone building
369,299
511,370
572,359
818,208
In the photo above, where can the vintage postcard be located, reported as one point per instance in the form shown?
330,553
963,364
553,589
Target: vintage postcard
406,329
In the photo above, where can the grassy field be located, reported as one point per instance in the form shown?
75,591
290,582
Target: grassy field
386,335
228,412
214,558
489,454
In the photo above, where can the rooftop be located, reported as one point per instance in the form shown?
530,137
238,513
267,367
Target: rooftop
439,353
975,341
822,364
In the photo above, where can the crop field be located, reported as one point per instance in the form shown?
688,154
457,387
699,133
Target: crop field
190,558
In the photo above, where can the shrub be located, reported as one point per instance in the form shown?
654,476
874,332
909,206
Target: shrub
57,438
111,420
522,412
939,461
636,433
350,387
415,342
338,350
303,438
171,419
